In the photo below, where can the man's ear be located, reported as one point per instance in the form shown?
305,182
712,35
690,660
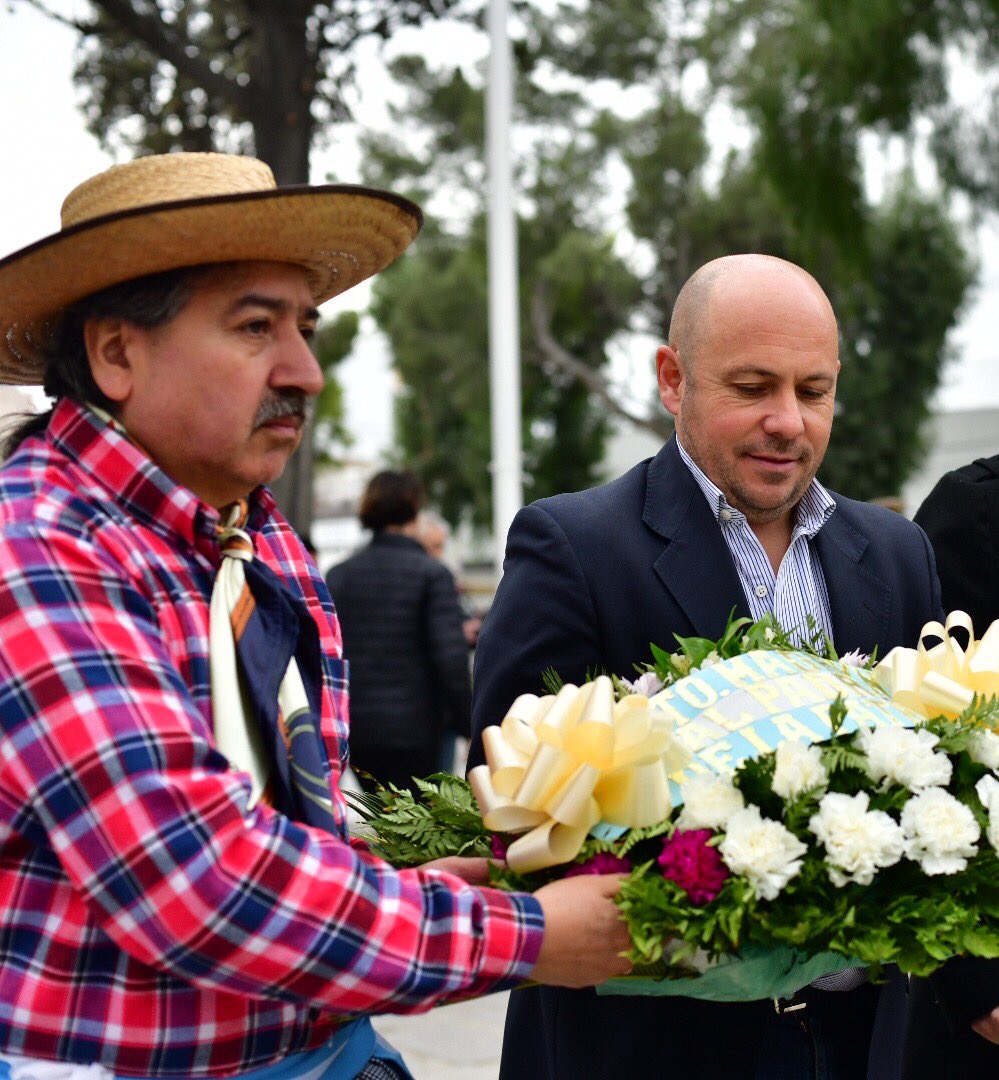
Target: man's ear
107,341
670,376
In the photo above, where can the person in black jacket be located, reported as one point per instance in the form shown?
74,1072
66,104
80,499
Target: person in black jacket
953,1024
591,578
402,630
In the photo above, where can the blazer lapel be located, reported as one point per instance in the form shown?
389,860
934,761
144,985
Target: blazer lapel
859,601
695,566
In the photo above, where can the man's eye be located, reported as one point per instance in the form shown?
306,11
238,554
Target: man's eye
810,394
308,332
750,389
257,326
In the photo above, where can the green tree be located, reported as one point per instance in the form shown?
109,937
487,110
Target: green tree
333,345
576,295
252,76
810,81
894,323
815,76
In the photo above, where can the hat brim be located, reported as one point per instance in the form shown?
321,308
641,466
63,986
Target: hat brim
340,234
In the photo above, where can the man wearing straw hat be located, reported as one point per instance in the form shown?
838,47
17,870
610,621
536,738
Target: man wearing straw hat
178,896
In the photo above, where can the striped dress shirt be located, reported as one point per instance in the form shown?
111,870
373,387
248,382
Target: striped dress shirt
798,589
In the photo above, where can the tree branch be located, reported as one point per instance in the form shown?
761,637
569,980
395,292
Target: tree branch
162,40
79,27
576,369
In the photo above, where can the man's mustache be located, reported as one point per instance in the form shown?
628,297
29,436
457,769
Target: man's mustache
289,403
783,448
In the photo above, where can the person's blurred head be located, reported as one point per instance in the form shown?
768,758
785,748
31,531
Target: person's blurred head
392,499
432,534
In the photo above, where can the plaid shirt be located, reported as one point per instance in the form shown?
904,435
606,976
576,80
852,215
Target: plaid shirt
148,920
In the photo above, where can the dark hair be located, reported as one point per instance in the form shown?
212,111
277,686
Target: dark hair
147,302
391,498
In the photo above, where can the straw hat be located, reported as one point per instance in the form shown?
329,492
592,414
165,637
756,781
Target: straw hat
173,210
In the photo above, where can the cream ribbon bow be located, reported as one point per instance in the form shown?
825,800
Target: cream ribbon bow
943,678
557,765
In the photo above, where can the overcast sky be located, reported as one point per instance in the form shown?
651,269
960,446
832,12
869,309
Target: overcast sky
46,152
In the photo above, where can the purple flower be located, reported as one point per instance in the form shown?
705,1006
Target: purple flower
604,863
498,846
697,868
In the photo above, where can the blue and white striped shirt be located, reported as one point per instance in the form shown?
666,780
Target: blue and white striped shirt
798,589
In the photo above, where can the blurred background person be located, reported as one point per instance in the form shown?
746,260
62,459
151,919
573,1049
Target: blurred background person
433,532
402,629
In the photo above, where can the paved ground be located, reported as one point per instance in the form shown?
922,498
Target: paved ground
454,1042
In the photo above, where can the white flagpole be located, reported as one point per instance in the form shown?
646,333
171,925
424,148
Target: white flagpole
504,314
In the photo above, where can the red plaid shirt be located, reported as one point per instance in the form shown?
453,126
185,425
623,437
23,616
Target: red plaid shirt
148,920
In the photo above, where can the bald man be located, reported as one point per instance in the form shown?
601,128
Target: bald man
727,515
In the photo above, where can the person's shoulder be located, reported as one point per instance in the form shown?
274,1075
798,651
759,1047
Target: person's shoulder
983,472
963,498
44,496
959,494
342,568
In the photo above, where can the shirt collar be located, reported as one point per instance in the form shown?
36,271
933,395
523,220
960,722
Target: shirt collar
814,508
134,481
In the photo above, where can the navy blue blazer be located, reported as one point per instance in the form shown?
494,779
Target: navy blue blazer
589,580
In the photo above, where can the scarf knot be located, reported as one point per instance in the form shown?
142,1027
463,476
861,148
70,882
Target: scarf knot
234,541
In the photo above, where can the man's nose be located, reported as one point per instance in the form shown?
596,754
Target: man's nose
783,420
297,366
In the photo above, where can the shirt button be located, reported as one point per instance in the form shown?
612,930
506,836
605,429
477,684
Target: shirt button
761,591
725,514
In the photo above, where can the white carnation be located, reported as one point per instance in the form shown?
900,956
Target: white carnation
858,841
646,684
984,748
799,769
905,757
854,659
762,851
711,659
988,792
708,802
940,832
